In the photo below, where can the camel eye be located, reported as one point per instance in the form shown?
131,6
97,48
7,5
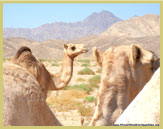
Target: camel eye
73,48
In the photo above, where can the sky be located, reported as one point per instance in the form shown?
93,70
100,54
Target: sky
34,15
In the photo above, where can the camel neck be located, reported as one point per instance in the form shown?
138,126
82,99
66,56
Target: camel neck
67,69
64,76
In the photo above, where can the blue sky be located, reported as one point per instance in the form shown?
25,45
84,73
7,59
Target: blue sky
34,15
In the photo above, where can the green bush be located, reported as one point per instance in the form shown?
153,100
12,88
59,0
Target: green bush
82,86
86,71
95,78
94,65
84,61
94,81
85,65
90,98
55,64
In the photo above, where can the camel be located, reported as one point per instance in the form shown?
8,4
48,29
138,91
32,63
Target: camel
26,83
24,102
145,108
125,70
47,80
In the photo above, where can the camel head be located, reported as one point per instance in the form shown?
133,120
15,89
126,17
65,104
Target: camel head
125,70
73,50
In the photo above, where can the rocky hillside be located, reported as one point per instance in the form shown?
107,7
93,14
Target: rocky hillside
144,30
48,49
147,25
92,25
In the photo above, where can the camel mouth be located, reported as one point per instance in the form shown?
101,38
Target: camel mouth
85,50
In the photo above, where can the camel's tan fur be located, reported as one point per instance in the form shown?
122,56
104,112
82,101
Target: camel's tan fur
145,108
125,70
24,102
47,80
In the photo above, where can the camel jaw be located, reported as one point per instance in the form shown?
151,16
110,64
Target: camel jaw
85,50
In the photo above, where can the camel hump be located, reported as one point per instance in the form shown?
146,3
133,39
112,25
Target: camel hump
21,50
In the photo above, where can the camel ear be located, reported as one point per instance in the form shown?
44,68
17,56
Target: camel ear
155,63
97,54
136,54
65,46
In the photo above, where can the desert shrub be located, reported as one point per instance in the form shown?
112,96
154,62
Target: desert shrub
43,59
85,111
94,65
67,87
48,60
90,99
82,86
99,70
94,81
85,65
86,71
55,64
80,80
84,61
95,78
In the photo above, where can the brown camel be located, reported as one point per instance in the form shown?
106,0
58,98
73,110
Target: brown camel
47,80
24,103
145,108
26,83
125,70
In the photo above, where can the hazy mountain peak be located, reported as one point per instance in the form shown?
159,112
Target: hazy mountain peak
103,15
93,24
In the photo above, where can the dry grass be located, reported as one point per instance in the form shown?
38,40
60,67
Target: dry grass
69,101
80,80
99,70
85,111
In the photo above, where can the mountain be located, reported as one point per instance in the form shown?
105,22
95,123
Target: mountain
138,29
92,25
147,25
143,30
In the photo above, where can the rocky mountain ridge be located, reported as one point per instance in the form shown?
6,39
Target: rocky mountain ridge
94,24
